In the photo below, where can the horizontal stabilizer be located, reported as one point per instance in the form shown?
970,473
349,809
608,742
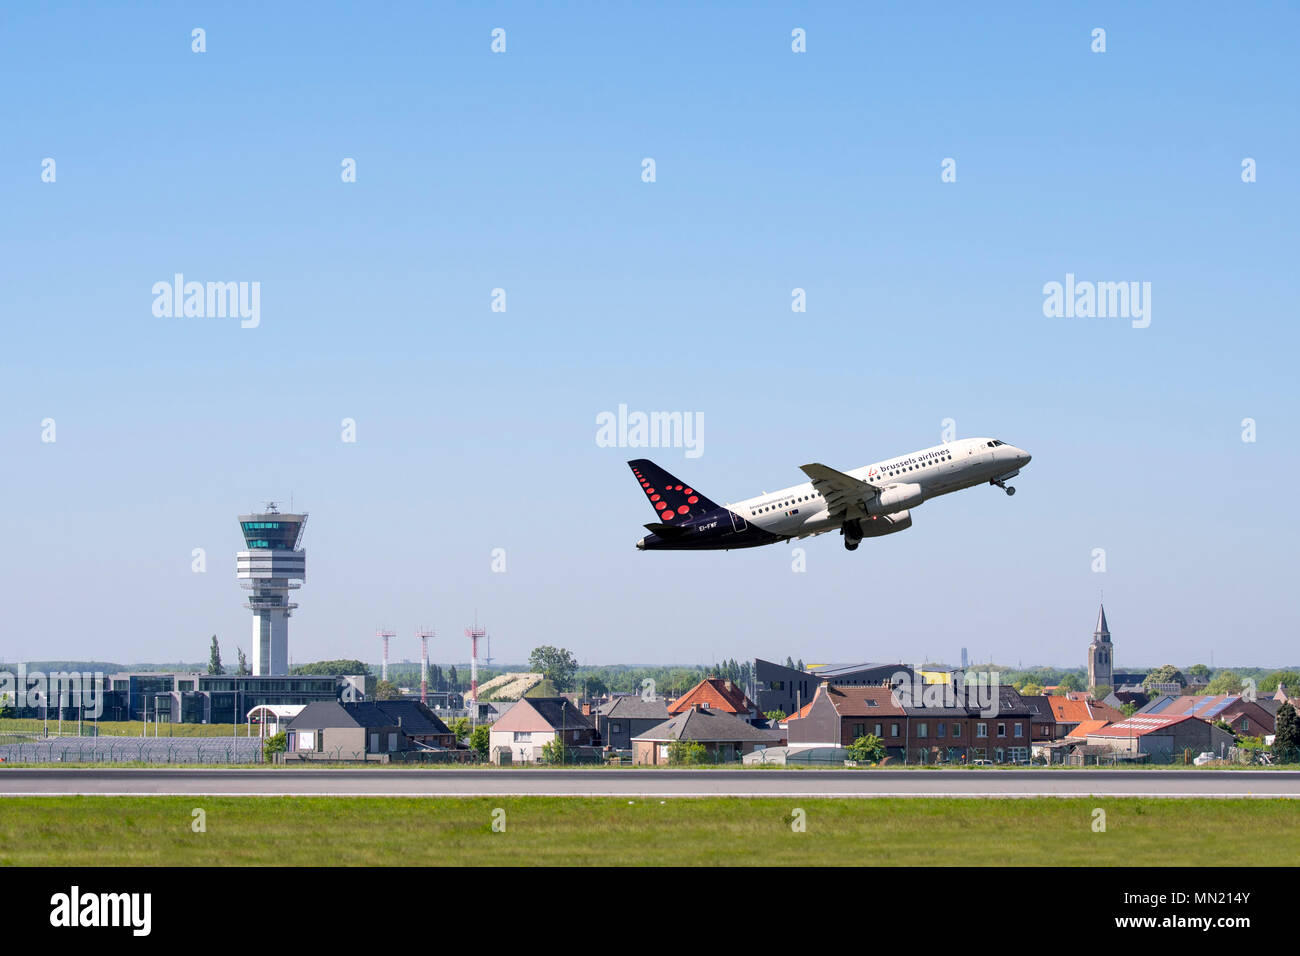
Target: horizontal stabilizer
666,530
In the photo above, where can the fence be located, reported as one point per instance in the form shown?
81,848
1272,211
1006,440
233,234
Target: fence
162,750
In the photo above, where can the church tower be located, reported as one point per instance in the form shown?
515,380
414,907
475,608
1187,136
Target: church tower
1101,656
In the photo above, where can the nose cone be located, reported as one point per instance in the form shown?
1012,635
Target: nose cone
1023,457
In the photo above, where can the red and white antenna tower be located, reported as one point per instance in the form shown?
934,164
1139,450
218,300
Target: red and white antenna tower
383,662
474,633
424,634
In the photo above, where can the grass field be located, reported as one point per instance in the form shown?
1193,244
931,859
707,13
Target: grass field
376,831
120,728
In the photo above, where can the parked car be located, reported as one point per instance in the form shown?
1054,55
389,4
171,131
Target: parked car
1204,758
981,763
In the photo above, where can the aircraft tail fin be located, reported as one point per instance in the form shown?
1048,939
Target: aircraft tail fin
673,500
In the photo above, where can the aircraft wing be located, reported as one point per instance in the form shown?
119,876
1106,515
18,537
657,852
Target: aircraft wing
840,491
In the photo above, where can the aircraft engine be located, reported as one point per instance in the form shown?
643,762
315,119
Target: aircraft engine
895,498
878,525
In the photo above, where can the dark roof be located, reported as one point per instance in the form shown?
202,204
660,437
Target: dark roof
710,726
635,707
415,719
560,713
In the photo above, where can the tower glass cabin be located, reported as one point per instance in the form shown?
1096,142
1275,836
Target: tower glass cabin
273,565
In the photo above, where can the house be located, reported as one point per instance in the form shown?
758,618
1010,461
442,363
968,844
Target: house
519,735
1072,709
365,730
621,719
725,737
838,715
1160,736
1245,717
1042,720
717,694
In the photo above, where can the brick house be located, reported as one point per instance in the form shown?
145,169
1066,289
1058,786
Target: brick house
621,719
716,694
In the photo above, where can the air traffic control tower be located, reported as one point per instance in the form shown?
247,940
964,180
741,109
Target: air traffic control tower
273,565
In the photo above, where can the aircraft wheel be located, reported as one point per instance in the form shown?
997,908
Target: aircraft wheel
1011,491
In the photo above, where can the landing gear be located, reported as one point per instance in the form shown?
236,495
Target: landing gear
1003,485
852,535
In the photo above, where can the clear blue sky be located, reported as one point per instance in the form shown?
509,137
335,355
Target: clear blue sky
775,170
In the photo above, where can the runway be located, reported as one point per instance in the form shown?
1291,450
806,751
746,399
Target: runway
391,782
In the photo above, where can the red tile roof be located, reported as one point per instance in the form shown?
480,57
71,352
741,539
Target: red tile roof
1141,724
719,694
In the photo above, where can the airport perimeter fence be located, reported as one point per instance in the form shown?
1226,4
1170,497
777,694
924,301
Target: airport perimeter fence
169,750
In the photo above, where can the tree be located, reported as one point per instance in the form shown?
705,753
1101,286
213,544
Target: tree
596,687
1030,689
1069,682
214,658
275,744
1102,691
1129,709
480,739
866,749
682,753
1167,674
555,664
1290,679
1224,682
554,751
453,682
1286,735
332,668
459,727
777,714
1199,670
387,690
243,663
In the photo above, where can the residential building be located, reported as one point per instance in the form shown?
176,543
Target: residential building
365,730
525,729
622,718
717,694
1245,717
724,736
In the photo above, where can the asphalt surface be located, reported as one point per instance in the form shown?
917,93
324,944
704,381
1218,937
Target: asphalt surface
17,781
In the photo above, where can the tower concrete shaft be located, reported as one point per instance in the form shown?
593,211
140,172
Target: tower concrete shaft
273,565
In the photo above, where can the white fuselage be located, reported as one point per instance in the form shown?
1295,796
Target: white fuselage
799,511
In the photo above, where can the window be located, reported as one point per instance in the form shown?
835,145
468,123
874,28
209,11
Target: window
923,729
615,728
859,730
575,735
374,743
1020,729
981,730
956,730
893,730
523,737
877,730
1002,729
392,741
942,728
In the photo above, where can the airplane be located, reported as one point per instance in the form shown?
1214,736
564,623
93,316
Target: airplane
869,502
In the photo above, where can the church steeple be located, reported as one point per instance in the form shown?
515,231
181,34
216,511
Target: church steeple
1101,660
1102,634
